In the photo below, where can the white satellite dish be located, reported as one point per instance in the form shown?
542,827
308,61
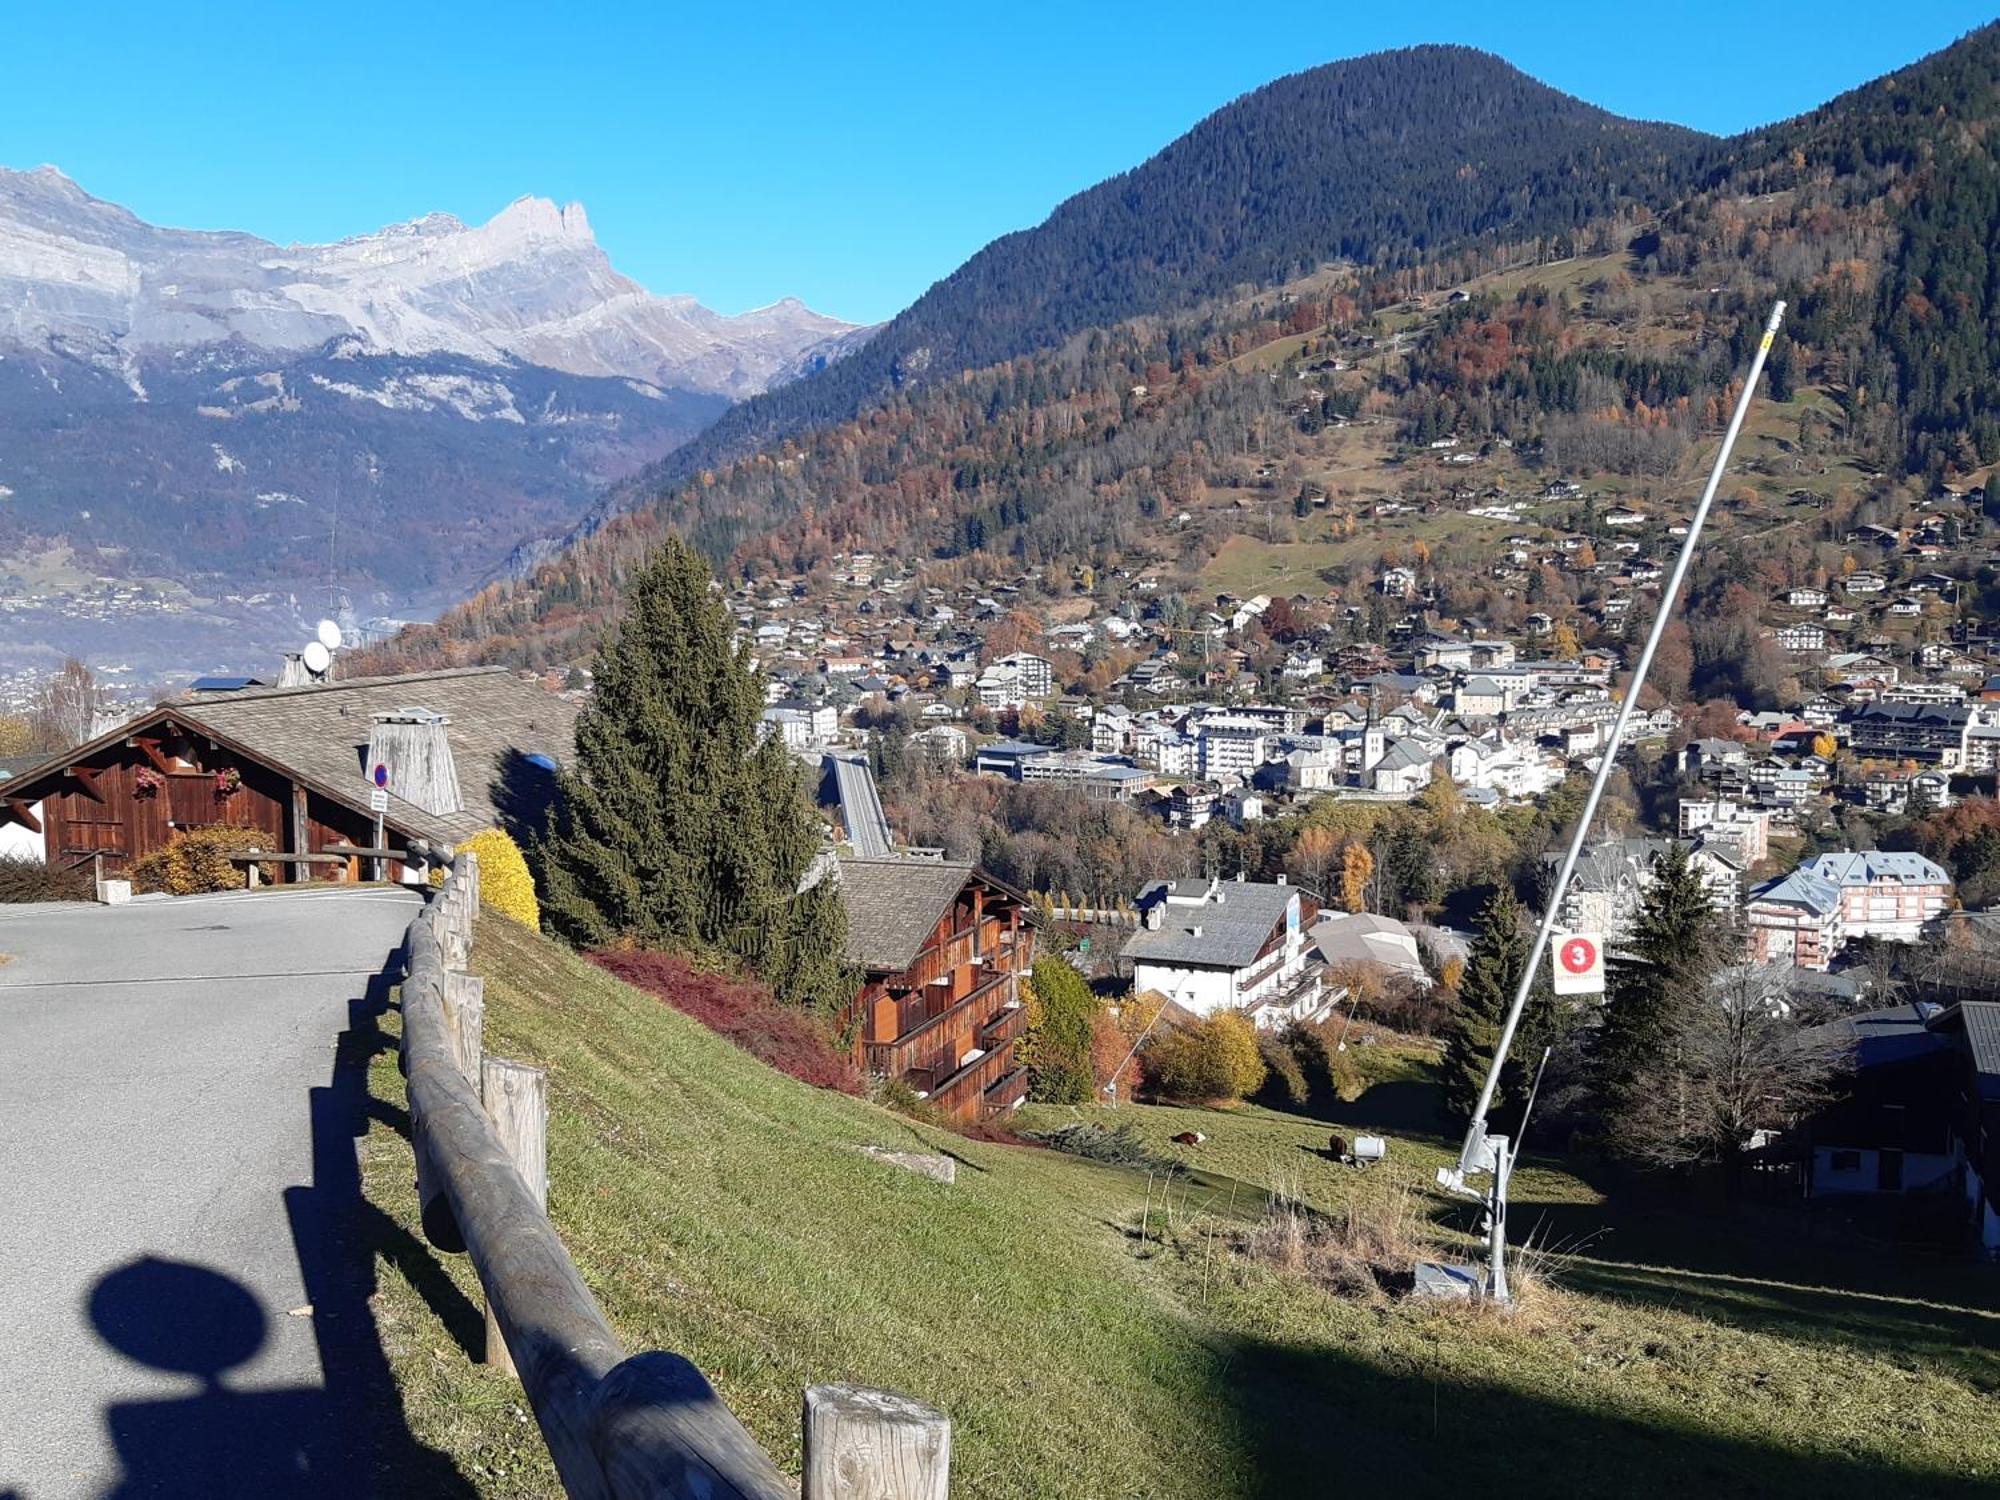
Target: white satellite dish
317,658
329,635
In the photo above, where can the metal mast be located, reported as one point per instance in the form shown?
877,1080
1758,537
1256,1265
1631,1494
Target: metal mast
1491,1154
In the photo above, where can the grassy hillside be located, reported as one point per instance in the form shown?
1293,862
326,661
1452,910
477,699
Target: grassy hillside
1093,1335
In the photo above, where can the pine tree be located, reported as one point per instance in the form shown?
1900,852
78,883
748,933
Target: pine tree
1677,944
677,827
1485,990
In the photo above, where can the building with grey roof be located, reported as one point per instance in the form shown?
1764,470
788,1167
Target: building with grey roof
1884,893
1211,945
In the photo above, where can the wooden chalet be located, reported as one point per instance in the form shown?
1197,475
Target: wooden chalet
462,751
943,947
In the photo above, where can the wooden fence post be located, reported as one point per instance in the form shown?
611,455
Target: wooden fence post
863,1444
516,1096
468,879
465,1013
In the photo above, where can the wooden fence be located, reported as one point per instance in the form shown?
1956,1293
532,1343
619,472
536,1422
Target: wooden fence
644,1426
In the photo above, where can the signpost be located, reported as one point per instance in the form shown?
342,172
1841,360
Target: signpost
378,804
1580,964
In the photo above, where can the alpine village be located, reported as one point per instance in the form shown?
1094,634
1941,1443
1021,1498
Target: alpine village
1328,825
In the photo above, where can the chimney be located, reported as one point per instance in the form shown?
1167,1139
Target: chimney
412,745
294,673
1195,931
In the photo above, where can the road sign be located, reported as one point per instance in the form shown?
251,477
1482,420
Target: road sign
1579,968
381,774
378,801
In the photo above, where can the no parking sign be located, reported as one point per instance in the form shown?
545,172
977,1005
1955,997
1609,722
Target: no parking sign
1579,966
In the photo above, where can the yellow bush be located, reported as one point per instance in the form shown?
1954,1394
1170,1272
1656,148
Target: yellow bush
504,881
198,860
1211,1060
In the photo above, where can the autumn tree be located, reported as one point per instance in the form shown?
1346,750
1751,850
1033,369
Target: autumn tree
1357,868
1314,854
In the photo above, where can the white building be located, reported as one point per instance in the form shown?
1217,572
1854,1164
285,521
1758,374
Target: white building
1227,945
1227,746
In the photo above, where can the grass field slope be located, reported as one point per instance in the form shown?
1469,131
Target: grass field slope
1096,1332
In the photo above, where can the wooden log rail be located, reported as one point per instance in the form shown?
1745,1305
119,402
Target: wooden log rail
643,1426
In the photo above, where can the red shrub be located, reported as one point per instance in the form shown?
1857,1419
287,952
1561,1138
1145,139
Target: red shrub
741,1010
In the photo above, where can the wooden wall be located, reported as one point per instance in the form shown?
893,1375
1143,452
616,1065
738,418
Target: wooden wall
99,806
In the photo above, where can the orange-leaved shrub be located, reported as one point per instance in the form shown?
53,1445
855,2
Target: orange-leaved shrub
742,1010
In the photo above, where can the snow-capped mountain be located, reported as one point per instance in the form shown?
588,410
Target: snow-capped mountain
206,438
531,284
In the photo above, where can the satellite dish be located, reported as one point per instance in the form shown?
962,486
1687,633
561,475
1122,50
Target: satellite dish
317,658
329,635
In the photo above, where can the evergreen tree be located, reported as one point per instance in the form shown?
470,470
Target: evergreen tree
1485,990
1677,944
1062,1021
678,827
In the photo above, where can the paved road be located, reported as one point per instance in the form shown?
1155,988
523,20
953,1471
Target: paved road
182,1310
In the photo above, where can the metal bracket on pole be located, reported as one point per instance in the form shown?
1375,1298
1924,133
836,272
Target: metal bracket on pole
1477,1155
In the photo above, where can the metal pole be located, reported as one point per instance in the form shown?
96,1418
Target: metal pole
1503,1181
1471,1154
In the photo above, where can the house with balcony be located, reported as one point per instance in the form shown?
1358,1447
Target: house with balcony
941,948
1212,945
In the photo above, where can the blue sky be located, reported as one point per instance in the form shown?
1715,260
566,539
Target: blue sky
846,153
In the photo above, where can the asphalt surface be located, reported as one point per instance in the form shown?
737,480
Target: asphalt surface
182,1299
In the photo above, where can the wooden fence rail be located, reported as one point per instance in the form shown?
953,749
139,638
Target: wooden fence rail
620,1427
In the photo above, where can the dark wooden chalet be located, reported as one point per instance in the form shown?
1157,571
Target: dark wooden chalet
465,750
943,947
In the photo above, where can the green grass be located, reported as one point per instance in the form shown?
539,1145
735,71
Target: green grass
1095,1333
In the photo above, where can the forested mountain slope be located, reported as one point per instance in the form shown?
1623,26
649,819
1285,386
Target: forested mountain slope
1607,354
1380,159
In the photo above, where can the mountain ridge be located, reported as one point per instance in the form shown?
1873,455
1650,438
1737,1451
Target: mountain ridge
1095,249
530,283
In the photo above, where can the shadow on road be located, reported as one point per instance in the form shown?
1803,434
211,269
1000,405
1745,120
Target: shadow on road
347,1438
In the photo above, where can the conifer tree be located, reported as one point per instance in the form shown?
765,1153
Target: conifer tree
677,826
1485,990
1678,942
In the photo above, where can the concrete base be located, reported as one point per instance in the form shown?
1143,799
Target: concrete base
1437,1278
114,892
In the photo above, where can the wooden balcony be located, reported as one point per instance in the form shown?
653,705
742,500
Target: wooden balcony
932,1016
962,1091
1005,1027
1008,1092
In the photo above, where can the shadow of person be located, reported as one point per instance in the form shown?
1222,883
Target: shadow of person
349,1438
194,1321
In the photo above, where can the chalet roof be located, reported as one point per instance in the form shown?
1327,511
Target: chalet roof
1892,1034
319,735
894,902
1981,1020
321,732
1233,923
